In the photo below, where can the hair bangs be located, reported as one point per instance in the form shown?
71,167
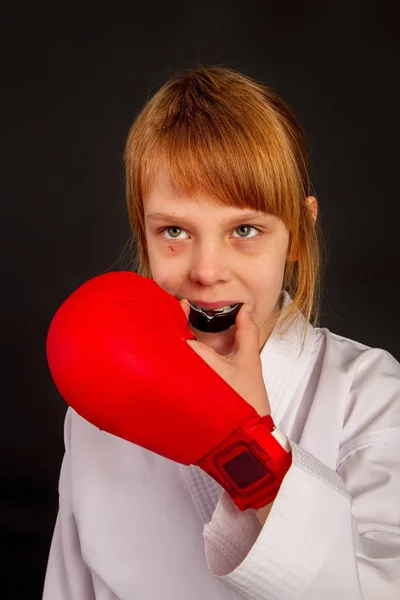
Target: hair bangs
242,165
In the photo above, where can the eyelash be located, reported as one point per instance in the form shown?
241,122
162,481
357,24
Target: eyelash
161,231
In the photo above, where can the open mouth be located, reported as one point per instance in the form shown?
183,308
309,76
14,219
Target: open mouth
216,311
213,321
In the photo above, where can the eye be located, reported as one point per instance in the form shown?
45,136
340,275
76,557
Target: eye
246,227
172,228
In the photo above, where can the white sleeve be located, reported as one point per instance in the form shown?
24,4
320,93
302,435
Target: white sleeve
330,534
67,576
310,543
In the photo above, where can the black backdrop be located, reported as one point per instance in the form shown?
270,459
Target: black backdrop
73,77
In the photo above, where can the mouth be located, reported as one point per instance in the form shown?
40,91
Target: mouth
213,320
213,312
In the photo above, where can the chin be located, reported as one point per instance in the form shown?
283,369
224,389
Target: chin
221,342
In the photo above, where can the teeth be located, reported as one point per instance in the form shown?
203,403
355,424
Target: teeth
215,311
223,308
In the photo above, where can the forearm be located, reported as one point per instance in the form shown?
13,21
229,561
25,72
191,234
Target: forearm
263,512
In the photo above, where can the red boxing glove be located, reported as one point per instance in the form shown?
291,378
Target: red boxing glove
117,352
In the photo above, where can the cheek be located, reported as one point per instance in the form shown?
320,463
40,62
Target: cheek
167,274
267,284
266,271
161,250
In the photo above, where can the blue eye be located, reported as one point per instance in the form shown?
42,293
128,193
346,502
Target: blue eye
173,231
247,227
244,232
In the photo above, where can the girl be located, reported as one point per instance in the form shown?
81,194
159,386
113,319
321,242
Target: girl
220,205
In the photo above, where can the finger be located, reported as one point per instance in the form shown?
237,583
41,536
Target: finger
246,334
206,353
185,307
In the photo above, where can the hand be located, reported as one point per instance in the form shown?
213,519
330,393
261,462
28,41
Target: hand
117,350
242,369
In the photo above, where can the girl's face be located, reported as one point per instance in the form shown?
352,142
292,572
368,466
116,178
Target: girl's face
206,252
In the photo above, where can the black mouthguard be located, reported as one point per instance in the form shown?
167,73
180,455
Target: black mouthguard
215,323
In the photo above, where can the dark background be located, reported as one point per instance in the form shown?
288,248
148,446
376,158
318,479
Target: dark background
73,78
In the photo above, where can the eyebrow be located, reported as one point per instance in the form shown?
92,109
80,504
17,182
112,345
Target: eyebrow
168,218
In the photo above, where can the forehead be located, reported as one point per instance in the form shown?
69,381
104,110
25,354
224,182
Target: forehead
161,187
163,193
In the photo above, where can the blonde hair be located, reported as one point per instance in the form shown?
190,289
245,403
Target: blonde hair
232,138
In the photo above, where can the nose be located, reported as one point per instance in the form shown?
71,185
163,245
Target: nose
209,264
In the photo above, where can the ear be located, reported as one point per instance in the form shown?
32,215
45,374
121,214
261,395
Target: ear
312,205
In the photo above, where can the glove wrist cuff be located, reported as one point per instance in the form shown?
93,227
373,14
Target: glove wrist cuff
251,463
